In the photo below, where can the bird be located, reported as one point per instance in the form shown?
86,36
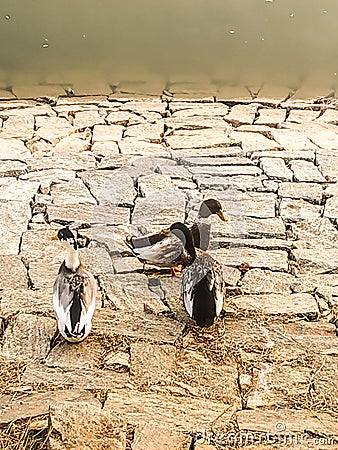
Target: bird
74,292
202,282
165,250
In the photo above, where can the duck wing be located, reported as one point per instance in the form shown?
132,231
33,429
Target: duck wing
164,253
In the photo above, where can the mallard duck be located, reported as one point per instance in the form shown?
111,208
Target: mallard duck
202,285
164,250
74,292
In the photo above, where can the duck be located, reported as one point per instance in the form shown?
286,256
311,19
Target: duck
74,291
202,282
163,249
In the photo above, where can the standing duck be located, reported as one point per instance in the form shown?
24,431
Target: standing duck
202,285
164,250
74,292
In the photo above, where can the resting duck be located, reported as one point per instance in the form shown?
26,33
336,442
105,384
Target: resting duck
164,250
74,292
202,285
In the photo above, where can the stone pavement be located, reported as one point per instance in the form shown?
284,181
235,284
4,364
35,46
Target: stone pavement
146,377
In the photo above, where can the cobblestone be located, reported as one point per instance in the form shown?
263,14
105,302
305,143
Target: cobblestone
127,165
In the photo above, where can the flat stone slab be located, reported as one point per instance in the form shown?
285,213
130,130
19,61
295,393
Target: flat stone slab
15,299
18,190
14,218
151,184
257,281
276,168
299,209
180,413
241,114
253,142
104,133
164,207
268,116
250,227
306,191
287,155
33,405
295,421
306,171
198,139
153,328
28,337
255,258
13,273
225,170
151,132
293,140
298,304
64,193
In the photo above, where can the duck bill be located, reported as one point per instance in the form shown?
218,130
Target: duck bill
222,216
54,238
165,230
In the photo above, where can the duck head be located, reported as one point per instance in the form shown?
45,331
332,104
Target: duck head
212,206
67,238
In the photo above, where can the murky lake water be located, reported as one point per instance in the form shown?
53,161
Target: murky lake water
240,41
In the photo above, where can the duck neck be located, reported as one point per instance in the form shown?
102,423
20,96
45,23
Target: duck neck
72,260
189,246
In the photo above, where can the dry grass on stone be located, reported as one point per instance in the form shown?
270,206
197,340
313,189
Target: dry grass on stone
31,434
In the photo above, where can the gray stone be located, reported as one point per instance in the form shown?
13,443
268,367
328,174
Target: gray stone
331,207
84,119
276,168
10,168
293,140
79,162
13,274
268,116
124,118
90,215
152,363
225,170
285,154
82,423
151,184
13,149
135,147
324,139
18,126
105,133
65,193
77,378
257,281
312,258
252,227
156,328
14,218
110,187
254,258
300,116
104,150
306,171
241,114
53,129
18,190
32,405
208,152
160,208
306,191
175,172
194,139
215,161
28,337
151,132
16,298
298,209
295,421
328,164
139,408
253,142
70,145
298,304
241,182
130,291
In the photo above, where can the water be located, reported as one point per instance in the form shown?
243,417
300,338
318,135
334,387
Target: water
235,41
